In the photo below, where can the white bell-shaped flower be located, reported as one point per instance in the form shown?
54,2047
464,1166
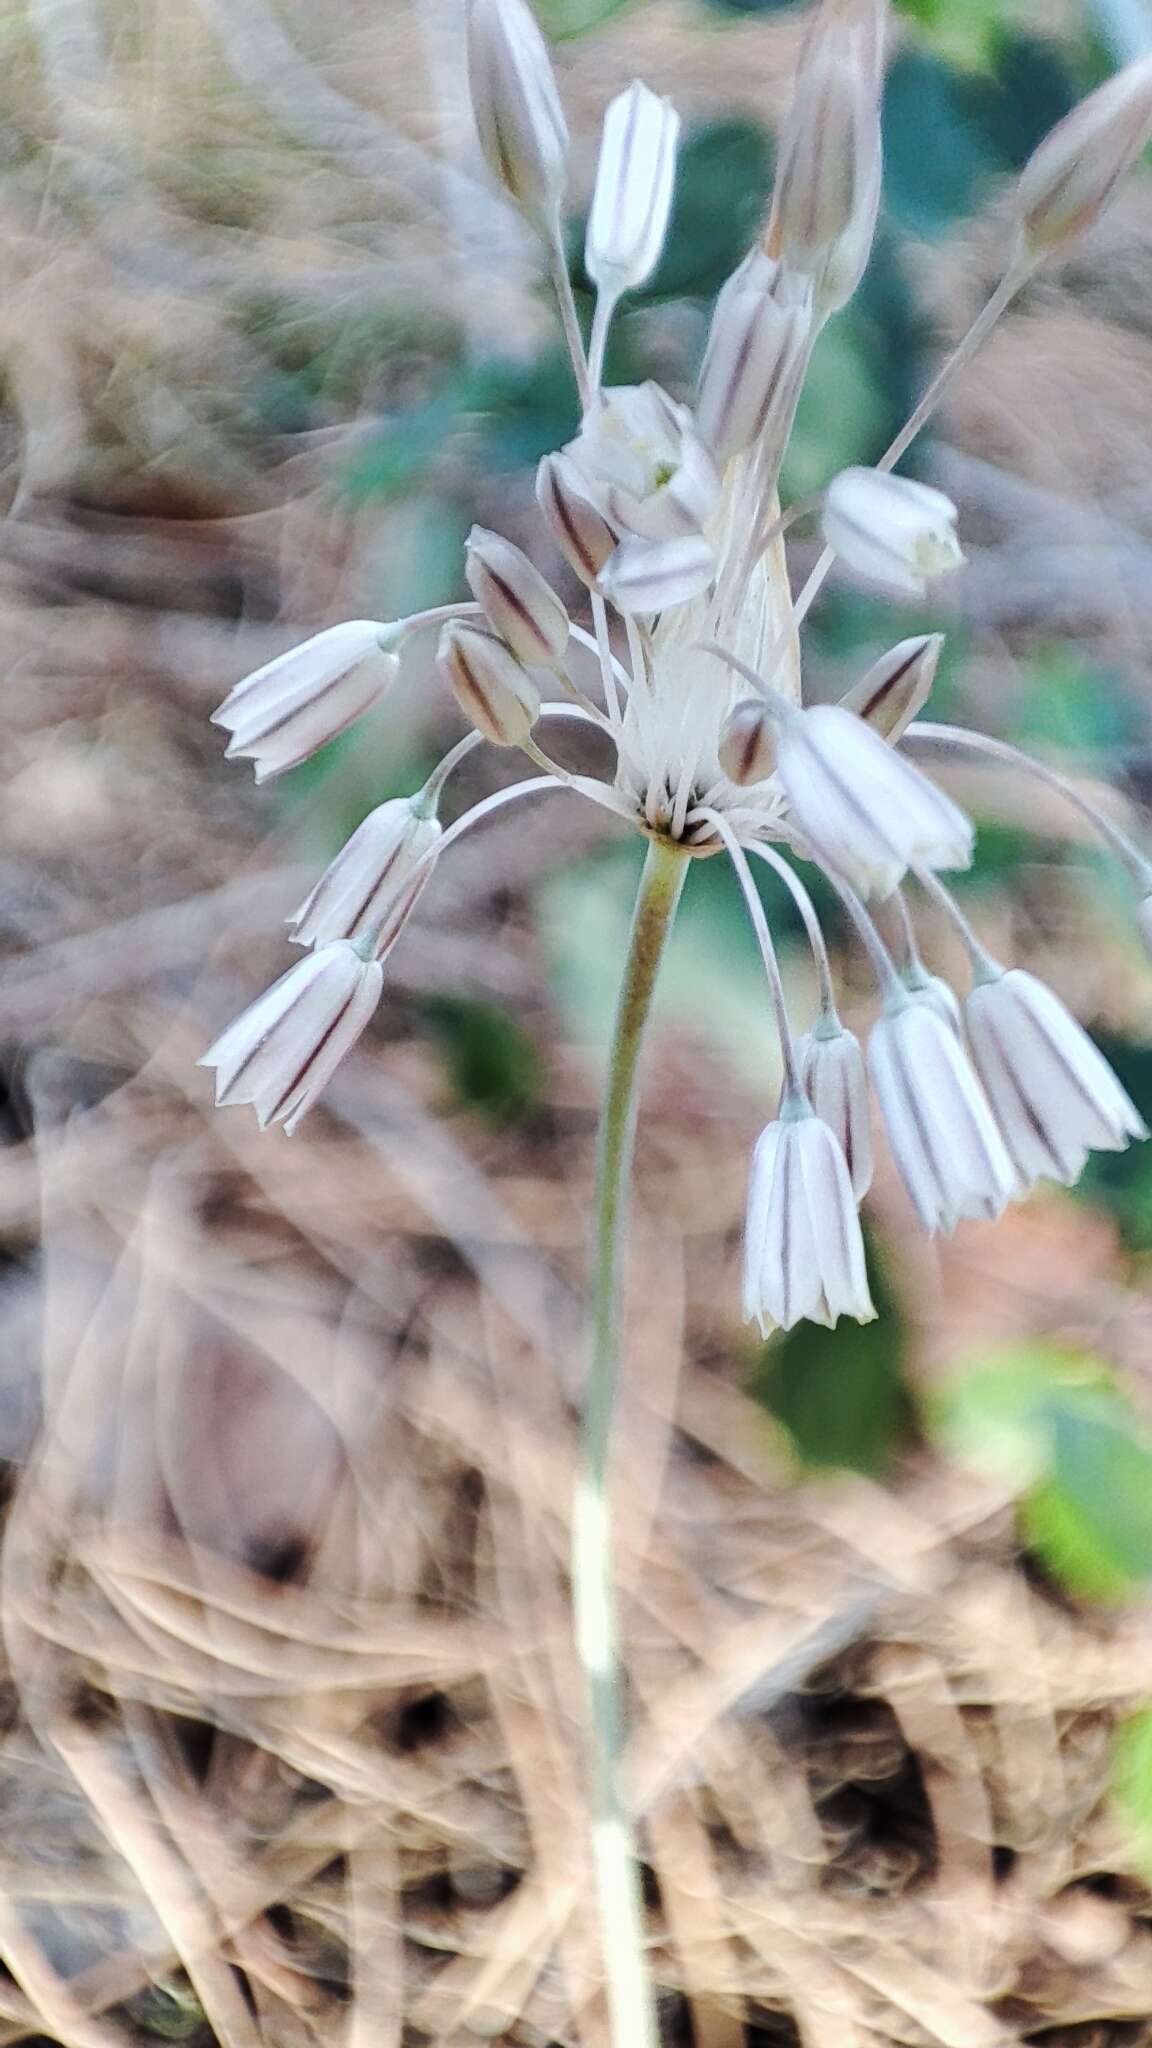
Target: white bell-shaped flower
891,530
804,1252
866,812
284,1049
1053,1093
941,1131
286,711
365,883
831,1067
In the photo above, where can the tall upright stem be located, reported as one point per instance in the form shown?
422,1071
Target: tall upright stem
631,2006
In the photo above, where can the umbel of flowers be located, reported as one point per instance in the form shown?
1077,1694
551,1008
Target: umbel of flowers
668,514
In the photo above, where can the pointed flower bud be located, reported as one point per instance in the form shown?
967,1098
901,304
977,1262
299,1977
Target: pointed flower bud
1072,175
633,195
891,530
577,526
286,711
943,1135
519,119
519,604
492,688
752,367
368,878
1053,1093
831,1067
284,1049
895,689
865,811
803,1251
653,575
639,458
747,751
828,174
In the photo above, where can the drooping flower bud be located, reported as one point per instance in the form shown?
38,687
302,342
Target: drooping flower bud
936,992
747,751
284,1049
752,368
1072,175
827,190
361,886
633,195
896,687
641,461
492,688
831,1067
891,530
866,812
577,526
519,604
803,1250
653,575
519,119
286,711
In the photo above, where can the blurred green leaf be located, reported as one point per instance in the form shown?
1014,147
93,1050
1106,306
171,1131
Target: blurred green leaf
963,31
562,19
1132,1780
840,1393
1071,703
1057,1426
722,185
493,1065
950,131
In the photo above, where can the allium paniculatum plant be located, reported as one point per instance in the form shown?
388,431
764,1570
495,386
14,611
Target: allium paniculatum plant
669,515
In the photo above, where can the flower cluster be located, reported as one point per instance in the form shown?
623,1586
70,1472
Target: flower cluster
668,514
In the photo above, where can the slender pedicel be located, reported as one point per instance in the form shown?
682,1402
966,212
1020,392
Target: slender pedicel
720,825
924,733
807,909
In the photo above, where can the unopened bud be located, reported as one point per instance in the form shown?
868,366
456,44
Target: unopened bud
827,189
890,529
1071,176
633,195
653,575
491,687
747,749
751,369
517,601
896,687
577,526
519,119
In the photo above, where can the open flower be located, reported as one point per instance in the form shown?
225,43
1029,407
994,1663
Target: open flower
284,1049
804,1254
1054,1095
641,461
891,530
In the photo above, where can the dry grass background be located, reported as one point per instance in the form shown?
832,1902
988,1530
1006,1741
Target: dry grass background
290,1743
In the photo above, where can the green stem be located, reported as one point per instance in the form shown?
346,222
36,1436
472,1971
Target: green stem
631,2007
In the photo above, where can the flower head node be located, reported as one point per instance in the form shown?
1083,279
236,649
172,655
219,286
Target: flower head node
669,517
